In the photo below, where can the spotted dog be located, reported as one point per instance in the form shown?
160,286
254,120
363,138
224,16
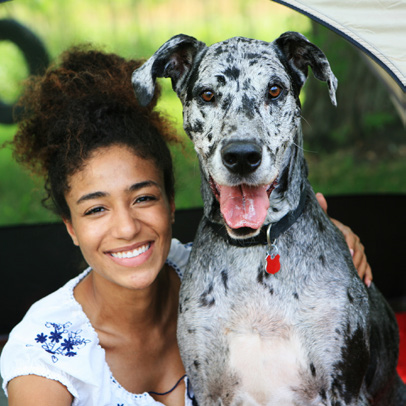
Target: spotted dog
271,311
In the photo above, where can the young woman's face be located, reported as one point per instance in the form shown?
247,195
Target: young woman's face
121,217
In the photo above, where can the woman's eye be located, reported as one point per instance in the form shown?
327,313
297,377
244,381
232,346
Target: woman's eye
143,199
207,96
274,91
95,210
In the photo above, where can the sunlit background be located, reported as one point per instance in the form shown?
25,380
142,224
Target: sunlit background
357,148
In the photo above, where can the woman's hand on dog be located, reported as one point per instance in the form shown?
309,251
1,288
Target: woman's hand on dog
357,249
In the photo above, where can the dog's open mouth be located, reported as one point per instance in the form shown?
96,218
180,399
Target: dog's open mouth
243,206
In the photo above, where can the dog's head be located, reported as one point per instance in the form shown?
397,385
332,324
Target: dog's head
241,109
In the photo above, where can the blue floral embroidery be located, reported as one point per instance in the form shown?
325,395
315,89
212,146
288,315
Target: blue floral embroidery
55,336
61,341
41,338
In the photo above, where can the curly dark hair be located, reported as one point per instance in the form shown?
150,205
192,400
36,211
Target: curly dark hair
84,103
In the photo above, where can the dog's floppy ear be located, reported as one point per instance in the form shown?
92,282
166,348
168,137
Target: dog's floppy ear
173,59
300,53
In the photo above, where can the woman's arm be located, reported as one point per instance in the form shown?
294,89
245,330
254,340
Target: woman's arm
34,390
354,243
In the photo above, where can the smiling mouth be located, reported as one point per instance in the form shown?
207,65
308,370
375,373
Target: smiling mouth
132,253
243,206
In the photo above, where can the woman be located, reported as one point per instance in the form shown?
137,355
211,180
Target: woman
108,337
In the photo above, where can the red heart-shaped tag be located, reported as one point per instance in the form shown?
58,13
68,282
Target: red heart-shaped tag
272,265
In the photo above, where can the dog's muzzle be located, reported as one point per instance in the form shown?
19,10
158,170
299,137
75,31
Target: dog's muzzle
243,205
241,157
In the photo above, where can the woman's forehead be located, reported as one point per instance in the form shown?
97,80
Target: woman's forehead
114,167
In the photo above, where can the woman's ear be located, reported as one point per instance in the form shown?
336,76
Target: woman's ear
71,231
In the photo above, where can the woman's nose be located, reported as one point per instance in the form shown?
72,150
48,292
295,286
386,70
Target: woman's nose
125,224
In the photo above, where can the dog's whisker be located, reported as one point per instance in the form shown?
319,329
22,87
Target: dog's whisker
304,120
305,150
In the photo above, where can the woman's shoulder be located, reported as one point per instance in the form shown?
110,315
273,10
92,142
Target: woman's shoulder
53,339
178,256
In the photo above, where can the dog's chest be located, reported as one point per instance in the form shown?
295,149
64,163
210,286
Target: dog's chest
269,359
260,325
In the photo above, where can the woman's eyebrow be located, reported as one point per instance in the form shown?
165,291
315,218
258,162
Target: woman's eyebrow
140,185
90,196
132,188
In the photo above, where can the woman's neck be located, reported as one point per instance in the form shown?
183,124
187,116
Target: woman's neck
137,330
112,308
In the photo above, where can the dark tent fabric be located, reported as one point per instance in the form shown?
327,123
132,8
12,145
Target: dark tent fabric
37,259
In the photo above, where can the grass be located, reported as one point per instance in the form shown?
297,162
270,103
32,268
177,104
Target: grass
341,173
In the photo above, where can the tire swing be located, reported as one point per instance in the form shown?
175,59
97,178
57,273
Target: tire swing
34,52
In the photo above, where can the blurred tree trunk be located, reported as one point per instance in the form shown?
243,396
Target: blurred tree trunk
365,117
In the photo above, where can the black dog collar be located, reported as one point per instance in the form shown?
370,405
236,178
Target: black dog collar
275,231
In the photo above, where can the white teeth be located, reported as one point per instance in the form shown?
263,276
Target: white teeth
131,254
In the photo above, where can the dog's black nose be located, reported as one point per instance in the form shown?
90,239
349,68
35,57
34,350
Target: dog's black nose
241,157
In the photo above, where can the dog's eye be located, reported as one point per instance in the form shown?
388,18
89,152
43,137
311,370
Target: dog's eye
207,96
274,91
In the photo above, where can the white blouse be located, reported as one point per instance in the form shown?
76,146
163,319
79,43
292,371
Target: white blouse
56,340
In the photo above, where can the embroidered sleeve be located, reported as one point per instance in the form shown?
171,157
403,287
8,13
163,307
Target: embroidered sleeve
40,353
60,341
13,367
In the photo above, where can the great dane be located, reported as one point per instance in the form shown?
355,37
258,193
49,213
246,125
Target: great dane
271,311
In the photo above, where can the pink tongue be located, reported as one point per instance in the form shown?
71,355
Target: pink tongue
244,206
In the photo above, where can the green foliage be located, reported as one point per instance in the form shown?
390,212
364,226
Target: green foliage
136,28
365,118
12,71
342,173
20,194
132,28
378,121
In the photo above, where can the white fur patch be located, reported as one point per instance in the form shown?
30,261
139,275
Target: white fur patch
268,366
